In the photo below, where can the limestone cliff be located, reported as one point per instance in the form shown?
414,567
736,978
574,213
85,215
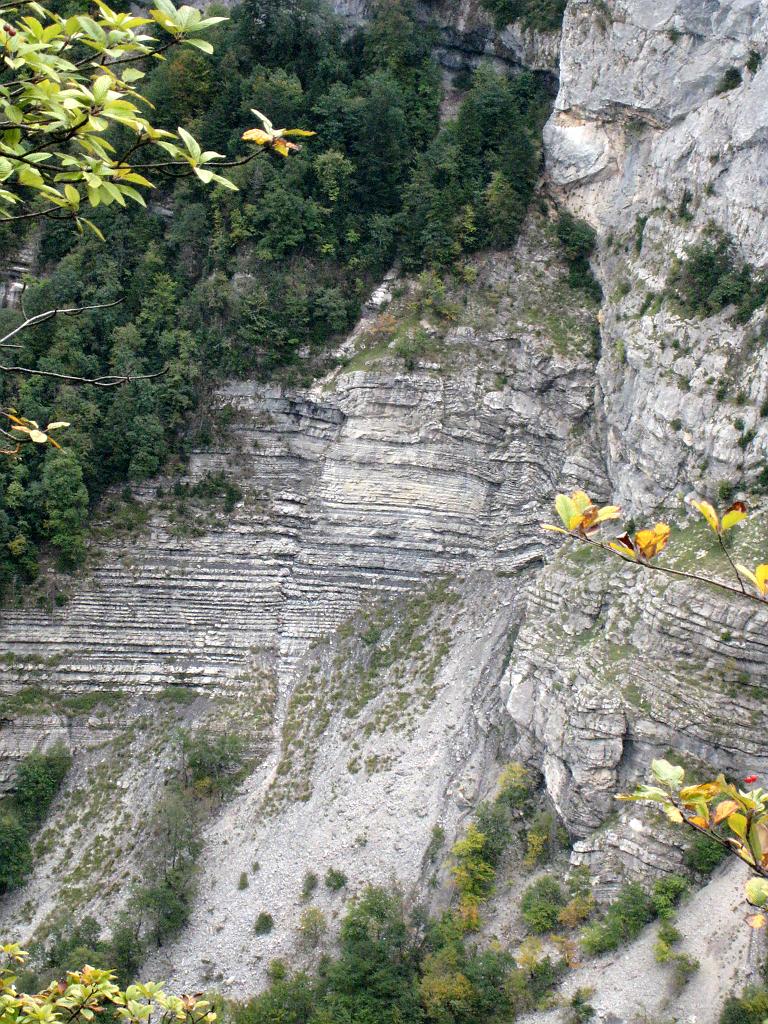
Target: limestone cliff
379,611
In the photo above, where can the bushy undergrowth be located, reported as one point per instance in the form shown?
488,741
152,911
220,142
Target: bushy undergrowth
710,277
38,780
578,240
541,905
704,855
544,15
630,912
388,969
751,1007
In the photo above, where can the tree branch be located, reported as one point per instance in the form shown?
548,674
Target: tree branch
39,318
37,213
666,569
108,381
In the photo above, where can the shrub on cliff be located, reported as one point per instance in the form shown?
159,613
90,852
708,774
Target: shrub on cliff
711,277
541,904
38,779
751,1007
15,853
578,240
471,187
544,15
623,921
704,854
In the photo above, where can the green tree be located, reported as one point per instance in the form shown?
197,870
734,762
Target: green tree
38,780
66,507
15,853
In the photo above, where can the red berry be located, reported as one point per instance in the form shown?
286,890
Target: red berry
750,778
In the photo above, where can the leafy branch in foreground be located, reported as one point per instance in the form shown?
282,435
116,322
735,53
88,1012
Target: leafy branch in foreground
73,132
582,520
88,993
732,818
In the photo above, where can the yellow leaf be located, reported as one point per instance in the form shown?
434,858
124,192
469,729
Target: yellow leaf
704,791
761,573
698,820
282,147
297,131
624,546
749,575
608,512
673,814
709,514
723,810
581,501
652,541
256,135
756,921
38,436
582,520
738,823
553,529
734,514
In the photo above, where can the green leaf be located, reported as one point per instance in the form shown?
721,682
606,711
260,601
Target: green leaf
756,891
192,147
203,175
208,22
738,823
670,775
225,182
199,44
92,226
565,509
648,793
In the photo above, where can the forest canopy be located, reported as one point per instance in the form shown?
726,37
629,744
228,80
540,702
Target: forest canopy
214,283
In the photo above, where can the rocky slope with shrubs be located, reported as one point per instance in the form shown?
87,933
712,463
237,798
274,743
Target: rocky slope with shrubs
352,577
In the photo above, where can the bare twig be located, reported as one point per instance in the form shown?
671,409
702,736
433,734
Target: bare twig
37,213
736,572
108,381
40,318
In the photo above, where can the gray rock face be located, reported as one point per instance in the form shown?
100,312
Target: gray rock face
643,145
361,495
375,483
466,34
613,667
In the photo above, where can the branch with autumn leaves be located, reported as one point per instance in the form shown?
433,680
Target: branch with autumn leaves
582,520
733,818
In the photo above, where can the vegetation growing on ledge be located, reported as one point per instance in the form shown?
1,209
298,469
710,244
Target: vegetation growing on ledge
38,779
544,15
471,187
711,277
578,240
